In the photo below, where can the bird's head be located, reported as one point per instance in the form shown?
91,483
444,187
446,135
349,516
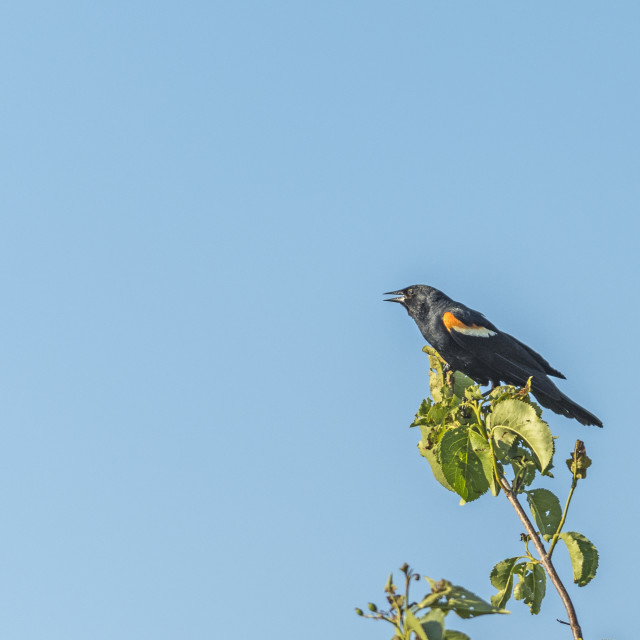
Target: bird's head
416,298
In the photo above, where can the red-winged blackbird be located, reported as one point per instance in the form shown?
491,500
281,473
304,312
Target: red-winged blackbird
469,343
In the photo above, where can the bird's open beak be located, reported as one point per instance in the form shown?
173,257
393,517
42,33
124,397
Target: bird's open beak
400,299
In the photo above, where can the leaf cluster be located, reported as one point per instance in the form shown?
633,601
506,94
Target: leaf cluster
469,438
425,619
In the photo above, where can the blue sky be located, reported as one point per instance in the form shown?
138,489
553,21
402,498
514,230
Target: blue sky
204,401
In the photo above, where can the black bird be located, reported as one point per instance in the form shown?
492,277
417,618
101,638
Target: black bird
469,343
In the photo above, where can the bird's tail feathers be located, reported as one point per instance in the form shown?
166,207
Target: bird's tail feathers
546,392
550,397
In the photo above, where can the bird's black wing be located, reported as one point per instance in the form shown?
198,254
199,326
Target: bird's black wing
502,355
548,369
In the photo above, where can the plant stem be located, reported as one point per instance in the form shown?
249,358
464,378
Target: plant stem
574,484
556,535
545,560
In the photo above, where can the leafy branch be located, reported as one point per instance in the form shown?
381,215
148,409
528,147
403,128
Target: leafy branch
469,440
425,619
472,441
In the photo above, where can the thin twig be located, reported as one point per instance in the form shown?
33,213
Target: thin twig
545,560
574,484
556,535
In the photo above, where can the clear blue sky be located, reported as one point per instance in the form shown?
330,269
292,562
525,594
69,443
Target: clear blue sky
203,400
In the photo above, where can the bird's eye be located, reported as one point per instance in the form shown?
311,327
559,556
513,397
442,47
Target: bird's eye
409,292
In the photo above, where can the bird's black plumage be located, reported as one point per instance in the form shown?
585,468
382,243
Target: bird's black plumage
470,343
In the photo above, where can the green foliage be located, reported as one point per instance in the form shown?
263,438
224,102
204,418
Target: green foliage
465,461
470,440
436,465
425,620
584,557
546,510
428,627
515,418
532,584
467,436
502,579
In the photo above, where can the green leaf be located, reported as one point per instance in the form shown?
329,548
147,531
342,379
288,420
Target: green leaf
536,406
502,393
538,586
449,597
520,418
439,413
546,510
502,579
524,469
449,634
468,605
436,467
584,557
432,624
413,624
532,585
494,484
483,450
506,447
473,393
521,590
522,461
461,383
439,591
466,462
423,412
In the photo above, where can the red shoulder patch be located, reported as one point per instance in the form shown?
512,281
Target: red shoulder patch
453,324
